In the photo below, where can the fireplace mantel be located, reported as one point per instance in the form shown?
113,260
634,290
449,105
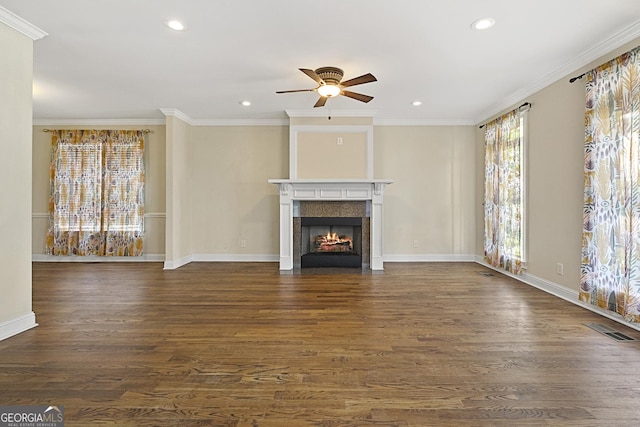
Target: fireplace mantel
330,190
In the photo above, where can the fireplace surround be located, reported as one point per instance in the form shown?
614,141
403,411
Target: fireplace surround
331,198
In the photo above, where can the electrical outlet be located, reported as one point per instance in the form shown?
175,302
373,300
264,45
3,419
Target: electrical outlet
339,140
416,244
560,269
243,243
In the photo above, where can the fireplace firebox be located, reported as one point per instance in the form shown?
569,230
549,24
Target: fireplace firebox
331,242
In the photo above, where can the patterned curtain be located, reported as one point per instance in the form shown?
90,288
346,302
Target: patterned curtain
610,270
96,203
503,213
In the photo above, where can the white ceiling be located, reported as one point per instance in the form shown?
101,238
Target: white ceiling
117,60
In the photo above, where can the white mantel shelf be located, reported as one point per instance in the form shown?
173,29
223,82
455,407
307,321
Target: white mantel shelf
330,189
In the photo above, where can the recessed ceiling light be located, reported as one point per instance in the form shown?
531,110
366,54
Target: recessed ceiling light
483,23
245,103
416,103
175,25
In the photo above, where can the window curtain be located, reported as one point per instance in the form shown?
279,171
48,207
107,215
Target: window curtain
610,269
96,204
503,195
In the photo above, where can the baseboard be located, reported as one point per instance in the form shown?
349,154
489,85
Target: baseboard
17,325
560,292
172,265
74,258
235,258
430,258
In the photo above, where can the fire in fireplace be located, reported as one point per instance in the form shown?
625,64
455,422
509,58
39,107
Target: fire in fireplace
331,242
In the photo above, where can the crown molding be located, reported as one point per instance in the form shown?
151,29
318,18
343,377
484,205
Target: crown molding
423,122
98,122
325,113
174,112
585,58
14,21
241,122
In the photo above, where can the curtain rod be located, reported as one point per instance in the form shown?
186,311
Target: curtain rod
573,79
526,104
53,130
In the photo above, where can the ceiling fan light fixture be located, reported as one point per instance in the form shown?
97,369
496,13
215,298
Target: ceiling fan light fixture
328,90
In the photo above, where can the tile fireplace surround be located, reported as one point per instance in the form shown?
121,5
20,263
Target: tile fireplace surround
292,191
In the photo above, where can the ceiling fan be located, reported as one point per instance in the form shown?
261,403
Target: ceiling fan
330,84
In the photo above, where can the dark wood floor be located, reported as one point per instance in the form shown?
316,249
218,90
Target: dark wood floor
239,344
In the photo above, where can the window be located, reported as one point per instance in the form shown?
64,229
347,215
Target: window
504,196
97,193
610,269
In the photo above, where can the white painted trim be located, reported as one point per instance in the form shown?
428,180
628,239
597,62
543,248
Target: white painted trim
99,122
429,258
17,325
235,258
240,122
423,122
560,292
75,258
172,265
585,58
339,113
20,25
174,112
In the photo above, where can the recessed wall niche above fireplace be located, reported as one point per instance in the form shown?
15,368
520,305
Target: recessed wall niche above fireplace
331,177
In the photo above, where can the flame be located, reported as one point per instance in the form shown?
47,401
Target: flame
332,242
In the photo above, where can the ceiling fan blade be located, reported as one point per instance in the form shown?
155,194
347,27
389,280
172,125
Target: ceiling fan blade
365,78
313,75
321,102
358,96
296,90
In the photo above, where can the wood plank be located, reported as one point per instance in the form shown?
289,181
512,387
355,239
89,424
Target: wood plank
130,344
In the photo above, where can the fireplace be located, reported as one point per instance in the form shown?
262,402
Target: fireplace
331,242
358,201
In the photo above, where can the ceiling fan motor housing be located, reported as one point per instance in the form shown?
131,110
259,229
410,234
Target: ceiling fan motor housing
330,75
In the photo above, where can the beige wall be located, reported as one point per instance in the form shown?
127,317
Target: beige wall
16,76
216,184
432,200
433,197
155,159
232,200
555,178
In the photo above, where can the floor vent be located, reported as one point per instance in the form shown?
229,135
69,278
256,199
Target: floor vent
611,333
486,273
